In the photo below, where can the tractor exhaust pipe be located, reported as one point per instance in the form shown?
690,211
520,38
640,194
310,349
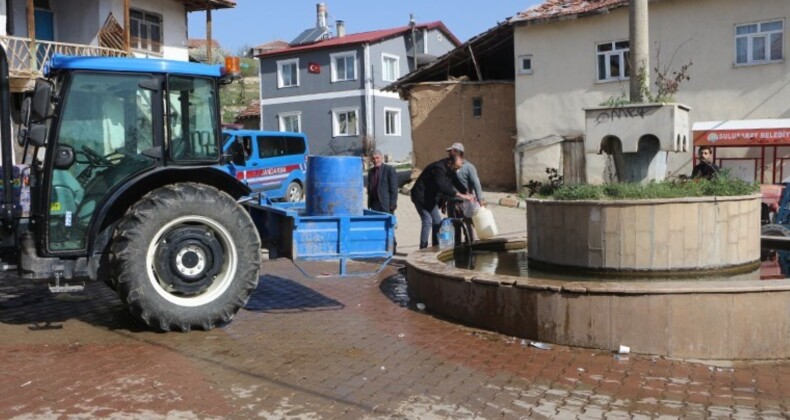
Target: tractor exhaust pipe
8,205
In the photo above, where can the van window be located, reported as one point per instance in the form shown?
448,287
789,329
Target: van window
296,146
246,142
273,146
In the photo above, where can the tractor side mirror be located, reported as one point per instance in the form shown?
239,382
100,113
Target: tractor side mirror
41,108
24,112
64,157
37,134
24,120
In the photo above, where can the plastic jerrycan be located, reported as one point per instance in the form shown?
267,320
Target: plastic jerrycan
485,225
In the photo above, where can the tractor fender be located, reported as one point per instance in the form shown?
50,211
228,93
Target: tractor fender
115,204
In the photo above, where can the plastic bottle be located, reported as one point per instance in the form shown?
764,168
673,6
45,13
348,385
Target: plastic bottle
446,235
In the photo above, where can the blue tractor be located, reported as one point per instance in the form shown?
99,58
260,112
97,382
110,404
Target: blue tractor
116,183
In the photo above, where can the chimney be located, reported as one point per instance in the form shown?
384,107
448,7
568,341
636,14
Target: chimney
340,28
320,15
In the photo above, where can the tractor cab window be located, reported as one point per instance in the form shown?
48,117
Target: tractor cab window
192,119
107,120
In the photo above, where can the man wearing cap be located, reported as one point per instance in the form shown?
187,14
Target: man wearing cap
382,186
468,173
468,178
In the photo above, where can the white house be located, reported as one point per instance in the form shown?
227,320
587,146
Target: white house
572,55
157,28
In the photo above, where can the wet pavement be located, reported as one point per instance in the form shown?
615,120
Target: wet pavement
338,348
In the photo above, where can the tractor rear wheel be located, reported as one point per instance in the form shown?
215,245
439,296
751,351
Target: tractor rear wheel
185,256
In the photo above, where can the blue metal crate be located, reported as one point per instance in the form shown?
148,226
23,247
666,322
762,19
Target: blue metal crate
286,231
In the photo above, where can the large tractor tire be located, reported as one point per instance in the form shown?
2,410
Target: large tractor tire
185,256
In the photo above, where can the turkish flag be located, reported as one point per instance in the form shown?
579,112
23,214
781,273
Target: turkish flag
314,68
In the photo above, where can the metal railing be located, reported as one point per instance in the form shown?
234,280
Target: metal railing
22,62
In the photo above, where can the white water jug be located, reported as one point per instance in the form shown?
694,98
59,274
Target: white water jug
485,225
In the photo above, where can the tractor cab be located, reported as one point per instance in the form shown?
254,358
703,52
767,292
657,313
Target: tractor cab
99,124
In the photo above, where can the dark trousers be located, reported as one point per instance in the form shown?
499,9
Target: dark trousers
456,210
430,220
377,207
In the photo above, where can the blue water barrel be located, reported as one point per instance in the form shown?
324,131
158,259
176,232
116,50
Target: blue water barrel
334,186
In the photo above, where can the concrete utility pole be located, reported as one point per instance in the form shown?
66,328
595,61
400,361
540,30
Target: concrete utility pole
640,49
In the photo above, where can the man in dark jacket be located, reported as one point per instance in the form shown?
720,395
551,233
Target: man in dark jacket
382,188
705,168
382,185
435,182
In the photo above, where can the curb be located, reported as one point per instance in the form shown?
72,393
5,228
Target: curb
512,202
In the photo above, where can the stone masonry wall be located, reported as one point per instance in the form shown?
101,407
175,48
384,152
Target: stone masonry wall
663,235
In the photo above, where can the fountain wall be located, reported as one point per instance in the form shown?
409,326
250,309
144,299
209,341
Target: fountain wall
682,234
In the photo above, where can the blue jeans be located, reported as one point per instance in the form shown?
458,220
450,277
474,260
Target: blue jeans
431,220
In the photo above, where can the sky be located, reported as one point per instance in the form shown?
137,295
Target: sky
254,22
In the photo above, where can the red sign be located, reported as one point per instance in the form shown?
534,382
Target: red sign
314,68
743,137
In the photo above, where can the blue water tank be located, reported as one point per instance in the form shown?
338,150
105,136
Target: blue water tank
334,186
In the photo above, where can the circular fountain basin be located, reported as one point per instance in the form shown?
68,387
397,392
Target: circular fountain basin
656,236
717,317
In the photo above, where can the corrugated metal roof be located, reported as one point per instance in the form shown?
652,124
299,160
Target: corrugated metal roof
362,37
551,10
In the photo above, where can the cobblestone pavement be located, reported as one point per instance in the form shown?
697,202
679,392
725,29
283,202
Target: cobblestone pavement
345,348
340,348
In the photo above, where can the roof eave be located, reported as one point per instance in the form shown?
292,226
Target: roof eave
200,5
409,79
560,18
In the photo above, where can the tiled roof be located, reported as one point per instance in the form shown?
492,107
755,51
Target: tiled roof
200,42
272,45
566,9
363,37
254,110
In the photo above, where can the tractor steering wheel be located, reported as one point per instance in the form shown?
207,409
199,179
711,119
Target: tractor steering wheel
94,158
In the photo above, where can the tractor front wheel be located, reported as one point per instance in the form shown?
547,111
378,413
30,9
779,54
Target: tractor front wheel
185,256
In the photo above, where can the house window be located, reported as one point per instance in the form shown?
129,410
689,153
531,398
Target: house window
290,121
344,66
145,30
757,43
288,73
392,121
345,122
390,67
477,107
525,64
613,61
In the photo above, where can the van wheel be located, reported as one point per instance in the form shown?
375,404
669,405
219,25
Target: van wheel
185,256
294,192
774,230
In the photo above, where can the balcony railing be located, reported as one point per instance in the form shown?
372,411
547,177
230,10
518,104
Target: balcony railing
24,63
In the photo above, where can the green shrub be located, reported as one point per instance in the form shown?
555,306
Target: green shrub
719,186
